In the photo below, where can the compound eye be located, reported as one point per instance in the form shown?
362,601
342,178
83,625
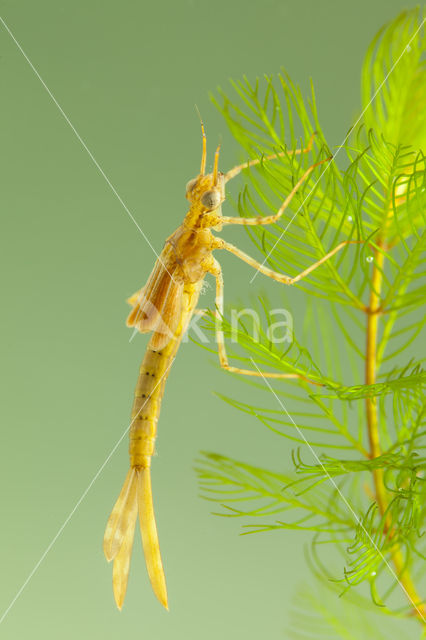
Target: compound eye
190,185
211,199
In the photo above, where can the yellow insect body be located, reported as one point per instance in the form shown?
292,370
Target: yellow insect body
164,307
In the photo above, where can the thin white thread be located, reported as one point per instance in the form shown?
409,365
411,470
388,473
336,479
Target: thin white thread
79,501
406,48
84,145
314,453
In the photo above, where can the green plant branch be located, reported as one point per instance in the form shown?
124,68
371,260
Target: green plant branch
370,375
381,497
376,421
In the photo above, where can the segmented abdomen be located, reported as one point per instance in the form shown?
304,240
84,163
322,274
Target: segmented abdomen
146,405
149,390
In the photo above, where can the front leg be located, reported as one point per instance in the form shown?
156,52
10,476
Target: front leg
216,271
251,163
274,218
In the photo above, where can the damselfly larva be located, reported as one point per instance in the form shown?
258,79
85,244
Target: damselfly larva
164,306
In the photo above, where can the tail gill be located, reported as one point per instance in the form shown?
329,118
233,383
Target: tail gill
135,496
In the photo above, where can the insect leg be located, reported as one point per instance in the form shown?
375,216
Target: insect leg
220,339
274,218
275,275
250,163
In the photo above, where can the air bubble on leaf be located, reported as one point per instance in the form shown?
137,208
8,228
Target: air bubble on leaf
373,573
408,48
350,218
369,258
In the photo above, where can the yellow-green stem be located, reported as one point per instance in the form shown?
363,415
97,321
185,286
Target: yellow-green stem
370,375
373,318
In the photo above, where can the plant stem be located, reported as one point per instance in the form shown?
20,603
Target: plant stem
370,375
373,317
419,611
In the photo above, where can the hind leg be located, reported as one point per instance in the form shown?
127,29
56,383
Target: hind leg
220,339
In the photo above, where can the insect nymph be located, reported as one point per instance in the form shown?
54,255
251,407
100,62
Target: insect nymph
164,307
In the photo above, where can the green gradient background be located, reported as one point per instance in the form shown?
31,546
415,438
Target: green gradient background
128,75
